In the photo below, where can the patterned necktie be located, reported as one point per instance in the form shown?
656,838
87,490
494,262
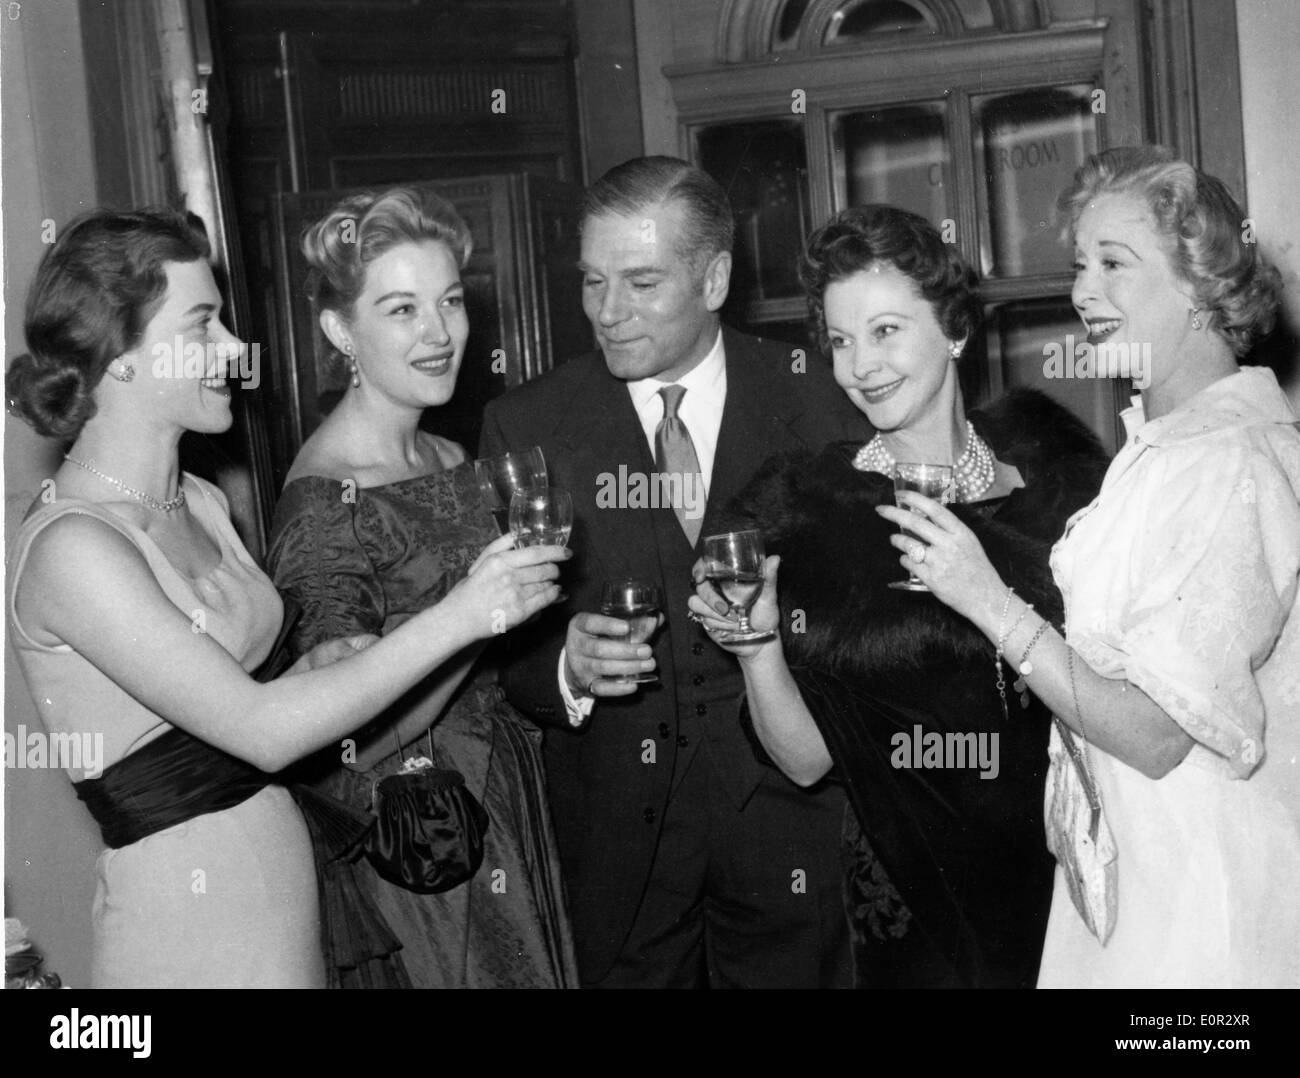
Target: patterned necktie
675,456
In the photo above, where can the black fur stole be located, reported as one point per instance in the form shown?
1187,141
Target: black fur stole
818,513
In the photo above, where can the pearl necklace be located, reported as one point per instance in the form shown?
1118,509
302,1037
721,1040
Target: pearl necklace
973,472
150,502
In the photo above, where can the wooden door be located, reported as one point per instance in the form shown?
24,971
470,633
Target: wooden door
326,101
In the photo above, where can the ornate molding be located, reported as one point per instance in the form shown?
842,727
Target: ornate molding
836,78
747,29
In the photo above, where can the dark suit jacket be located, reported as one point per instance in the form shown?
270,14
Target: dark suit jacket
610,781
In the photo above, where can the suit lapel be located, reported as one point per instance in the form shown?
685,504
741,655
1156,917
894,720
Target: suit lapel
756,422
601,432
600,435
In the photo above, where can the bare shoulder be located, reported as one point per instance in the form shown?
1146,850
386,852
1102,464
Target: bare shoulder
448,453
325,453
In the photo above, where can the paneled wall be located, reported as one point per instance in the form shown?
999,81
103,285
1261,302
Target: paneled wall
340,94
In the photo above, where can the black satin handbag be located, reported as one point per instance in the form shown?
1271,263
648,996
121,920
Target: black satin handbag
429,829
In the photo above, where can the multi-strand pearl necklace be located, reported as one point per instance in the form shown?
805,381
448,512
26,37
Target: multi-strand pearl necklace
973,472
150,502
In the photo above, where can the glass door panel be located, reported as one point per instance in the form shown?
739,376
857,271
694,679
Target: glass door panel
895,155
763,167
1027,146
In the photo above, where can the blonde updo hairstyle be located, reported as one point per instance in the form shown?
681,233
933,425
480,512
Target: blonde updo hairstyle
1204,231
94,293
360,228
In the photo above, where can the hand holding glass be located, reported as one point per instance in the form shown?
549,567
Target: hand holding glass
500,477
541,516
637,602
733,564
932,480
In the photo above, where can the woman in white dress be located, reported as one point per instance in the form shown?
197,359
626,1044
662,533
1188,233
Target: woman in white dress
1180,584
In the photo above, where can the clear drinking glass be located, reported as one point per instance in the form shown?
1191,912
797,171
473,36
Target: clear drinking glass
932,480
733,563
638,602
500,477
541,516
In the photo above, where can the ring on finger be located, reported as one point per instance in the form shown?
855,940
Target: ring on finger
917,553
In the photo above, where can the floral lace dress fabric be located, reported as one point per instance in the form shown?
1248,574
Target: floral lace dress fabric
364,561
1182,577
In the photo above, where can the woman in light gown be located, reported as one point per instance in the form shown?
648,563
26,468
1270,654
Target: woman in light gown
137,616
1180,583
378,521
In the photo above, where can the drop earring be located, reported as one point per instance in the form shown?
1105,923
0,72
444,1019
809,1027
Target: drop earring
954,349
356,374
1196,318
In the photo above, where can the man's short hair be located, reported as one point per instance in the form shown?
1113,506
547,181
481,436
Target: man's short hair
642,182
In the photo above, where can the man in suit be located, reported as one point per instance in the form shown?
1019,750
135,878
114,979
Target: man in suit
687,861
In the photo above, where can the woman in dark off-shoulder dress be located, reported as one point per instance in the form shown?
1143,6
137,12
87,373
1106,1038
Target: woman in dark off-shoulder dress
377,522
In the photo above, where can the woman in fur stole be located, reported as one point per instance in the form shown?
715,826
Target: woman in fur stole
948,880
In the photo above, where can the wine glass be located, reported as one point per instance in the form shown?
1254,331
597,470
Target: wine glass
638,602
932,480
541,516
733,563
499,477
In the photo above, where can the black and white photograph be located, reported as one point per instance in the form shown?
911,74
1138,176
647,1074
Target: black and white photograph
654,494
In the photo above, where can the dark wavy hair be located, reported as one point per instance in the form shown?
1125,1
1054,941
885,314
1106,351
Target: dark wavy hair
92,297
642,182
1204,231
862,236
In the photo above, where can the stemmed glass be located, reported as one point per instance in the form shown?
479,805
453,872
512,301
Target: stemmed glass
500,477
541,516
638,602
733,563
932,480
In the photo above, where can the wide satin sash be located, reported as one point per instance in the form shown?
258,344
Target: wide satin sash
174,778
177,777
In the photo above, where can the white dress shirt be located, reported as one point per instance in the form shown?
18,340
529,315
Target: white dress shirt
701,412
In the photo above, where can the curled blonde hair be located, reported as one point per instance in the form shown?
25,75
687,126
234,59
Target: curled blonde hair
342,244
1205,233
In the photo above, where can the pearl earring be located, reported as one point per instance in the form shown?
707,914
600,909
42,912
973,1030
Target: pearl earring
356,374
1196,318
